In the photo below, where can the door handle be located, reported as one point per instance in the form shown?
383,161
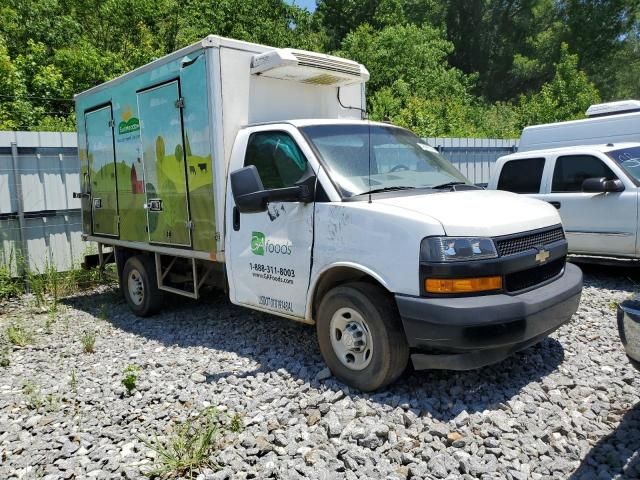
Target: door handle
556,204
236,219
81,195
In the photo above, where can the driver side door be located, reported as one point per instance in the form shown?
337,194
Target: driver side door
269,252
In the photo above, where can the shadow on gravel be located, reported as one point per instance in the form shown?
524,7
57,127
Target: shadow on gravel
269,344
616,455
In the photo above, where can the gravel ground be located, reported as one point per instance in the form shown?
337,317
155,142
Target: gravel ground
567,407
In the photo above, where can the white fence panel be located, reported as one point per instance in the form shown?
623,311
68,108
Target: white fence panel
40,221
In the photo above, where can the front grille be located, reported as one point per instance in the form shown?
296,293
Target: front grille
516,281
510,246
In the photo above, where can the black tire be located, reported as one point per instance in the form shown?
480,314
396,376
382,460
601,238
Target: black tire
142,267
390,352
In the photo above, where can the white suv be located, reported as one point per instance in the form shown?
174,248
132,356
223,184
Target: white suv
594,188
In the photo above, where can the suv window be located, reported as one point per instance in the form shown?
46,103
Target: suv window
277,157
521,176
571,170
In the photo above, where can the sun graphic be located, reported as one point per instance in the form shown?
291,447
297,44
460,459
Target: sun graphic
127,114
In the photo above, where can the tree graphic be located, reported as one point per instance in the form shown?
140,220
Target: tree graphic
159,149
179,153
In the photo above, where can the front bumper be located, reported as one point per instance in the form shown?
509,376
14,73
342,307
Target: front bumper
464,333
629,329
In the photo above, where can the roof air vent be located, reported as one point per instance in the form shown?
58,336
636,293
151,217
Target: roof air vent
308,67
613,108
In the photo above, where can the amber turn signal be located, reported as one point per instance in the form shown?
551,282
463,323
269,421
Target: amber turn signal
462,285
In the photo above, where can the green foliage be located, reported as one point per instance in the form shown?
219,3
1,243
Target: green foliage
18,335
191,446
88,341
5,356
565,97
9,285
441,67
33,397
130,377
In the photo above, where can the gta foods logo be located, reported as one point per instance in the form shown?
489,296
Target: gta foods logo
261,245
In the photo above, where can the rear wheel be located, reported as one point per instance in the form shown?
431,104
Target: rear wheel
140,287
361,337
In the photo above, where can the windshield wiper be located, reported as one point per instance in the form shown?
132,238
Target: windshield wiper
386,189
447,185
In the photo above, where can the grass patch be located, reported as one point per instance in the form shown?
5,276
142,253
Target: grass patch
130,377
18,335
46,284
10,287
73,381
191,446
32,394
5,357
88,341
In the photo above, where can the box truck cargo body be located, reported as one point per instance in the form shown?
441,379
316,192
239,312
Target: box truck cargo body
612,122
250,168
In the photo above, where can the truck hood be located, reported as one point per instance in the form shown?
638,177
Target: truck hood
486,213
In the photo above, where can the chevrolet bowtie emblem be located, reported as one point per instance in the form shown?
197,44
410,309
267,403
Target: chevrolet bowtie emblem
542,255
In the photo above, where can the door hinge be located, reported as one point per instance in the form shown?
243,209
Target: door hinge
112,123
189,224
180,103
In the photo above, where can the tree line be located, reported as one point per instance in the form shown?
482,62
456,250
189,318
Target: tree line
439,67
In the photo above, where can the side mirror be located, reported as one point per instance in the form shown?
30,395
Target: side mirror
602,185
251,197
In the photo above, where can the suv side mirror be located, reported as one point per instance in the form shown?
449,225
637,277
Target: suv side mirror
602,185
251,197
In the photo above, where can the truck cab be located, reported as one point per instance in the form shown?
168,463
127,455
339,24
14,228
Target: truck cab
365,231
594,188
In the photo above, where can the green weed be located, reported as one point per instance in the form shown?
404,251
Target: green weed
130,378
5,357
18,335
88,340
73,381
32,394
9,286
189,448
236,425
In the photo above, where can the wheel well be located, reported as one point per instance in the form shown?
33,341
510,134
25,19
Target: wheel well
123,254
338,276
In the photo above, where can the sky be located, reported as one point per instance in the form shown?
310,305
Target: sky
308,4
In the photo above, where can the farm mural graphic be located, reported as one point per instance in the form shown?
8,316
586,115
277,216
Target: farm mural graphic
162,159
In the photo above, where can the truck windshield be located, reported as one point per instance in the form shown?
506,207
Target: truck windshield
363,158
629,160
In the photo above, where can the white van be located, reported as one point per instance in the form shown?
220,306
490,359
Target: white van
595,189
613,122
247,167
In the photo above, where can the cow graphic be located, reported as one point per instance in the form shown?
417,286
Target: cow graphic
202,167
192,170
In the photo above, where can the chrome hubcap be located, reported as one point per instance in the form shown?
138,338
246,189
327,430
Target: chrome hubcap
351,339
136,287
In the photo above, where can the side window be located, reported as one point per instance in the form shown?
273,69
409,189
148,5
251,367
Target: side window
277,157
571,170
521,176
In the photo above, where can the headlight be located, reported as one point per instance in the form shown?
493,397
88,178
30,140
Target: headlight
456,249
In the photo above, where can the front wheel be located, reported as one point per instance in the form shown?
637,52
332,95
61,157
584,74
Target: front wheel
361,337
139,286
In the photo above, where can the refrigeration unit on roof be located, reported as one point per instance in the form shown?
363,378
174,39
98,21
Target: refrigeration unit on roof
613,108
308,67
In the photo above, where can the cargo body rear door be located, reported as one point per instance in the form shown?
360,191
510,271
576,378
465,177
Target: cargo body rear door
168,216
102,172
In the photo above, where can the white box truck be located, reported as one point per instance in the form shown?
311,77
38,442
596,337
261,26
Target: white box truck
248,167
612,122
